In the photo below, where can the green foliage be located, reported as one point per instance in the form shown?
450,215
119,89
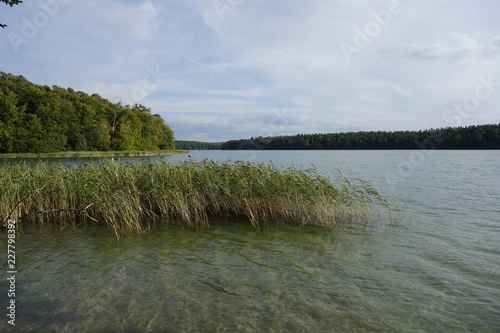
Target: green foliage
471,137
10,3
197,145
129,198
40,119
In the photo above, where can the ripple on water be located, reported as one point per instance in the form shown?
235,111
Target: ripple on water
232,278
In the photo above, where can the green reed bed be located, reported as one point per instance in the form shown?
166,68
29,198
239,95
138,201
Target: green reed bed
130,198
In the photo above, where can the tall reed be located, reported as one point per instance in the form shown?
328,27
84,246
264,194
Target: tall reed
129,198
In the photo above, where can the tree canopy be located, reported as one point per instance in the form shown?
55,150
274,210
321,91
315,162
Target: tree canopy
10,3
43,119
197,145
471,137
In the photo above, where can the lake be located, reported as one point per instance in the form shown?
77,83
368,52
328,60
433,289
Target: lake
435,269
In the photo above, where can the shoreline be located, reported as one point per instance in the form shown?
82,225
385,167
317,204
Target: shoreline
95,154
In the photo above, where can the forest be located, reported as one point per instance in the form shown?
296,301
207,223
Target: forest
470,137
197,145
43,119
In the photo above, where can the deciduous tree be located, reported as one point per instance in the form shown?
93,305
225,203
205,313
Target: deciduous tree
10,3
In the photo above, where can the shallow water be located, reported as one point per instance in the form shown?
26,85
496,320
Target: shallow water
437,269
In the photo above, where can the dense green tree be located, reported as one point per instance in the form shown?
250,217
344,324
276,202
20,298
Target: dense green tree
472,137
197,145
40,119
128,135
10,3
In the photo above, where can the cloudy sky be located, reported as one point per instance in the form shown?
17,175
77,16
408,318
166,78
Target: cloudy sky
217,70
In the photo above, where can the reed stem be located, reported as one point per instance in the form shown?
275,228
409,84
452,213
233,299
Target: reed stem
128,198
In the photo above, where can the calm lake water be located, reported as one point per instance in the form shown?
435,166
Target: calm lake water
436,269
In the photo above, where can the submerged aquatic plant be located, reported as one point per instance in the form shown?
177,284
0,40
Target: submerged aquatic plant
132,197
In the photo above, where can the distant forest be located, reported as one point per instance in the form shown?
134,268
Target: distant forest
471,137
197,145
43,119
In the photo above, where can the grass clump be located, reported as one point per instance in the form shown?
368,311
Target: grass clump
129,198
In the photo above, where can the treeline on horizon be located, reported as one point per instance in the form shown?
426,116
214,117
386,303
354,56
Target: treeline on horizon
43,119
470,137
197,145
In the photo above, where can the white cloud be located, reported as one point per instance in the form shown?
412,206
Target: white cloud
454,47
225,74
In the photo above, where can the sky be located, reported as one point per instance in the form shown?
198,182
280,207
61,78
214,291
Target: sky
219,70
